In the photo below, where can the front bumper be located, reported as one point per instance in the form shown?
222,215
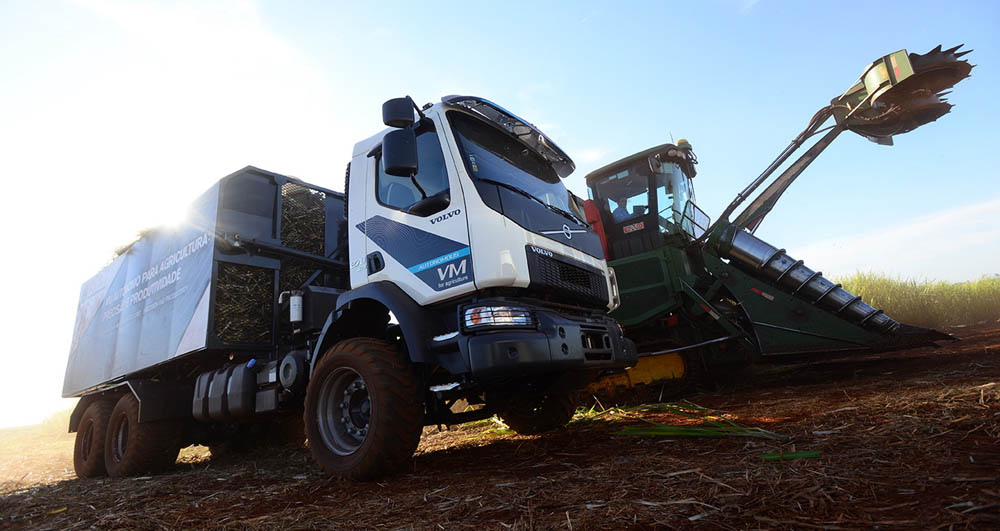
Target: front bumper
558,342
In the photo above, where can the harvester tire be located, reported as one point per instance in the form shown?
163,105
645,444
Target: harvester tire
538,413
364,409
132,448
88,450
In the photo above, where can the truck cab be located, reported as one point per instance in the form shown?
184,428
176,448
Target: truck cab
484,211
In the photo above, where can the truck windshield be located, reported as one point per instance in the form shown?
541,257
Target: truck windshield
492,155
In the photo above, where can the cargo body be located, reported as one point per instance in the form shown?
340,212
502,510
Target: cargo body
177,293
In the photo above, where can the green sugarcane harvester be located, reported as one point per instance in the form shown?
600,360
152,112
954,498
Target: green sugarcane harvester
699,296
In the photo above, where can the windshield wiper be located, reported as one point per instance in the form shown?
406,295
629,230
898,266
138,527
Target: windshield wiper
553,208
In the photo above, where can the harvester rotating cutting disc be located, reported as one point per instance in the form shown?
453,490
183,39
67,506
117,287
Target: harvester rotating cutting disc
918,110
900,92
933,72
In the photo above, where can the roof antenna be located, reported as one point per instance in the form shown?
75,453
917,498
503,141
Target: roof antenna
672,137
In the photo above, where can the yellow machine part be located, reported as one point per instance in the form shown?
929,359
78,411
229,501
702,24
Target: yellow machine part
650,369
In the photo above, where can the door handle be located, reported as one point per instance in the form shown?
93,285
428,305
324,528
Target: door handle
375,262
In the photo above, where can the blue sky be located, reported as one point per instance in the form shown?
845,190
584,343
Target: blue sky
114,115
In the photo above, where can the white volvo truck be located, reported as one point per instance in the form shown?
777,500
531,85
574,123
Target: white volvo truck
455,267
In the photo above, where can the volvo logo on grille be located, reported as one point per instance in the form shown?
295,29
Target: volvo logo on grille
566,231
539,250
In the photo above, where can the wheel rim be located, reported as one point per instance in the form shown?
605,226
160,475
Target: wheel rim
344,412
86,440
119,442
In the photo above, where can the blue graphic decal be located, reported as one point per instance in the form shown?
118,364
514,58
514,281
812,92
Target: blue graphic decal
439,262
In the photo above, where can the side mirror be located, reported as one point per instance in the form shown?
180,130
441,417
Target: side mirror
399,153
398,112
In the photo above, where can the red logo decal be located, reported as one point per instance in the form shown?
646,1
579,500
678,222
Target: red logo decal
633,227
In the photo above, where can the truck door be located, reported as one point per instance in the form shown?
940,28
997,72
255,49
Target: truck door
416,231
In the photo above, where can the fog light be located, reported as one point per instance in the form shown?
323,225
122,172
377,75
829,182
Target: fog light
497,316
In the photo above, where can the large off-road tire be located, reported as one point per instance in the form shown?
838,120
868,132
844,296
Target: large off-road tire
538,413
364,409
132,448
88,451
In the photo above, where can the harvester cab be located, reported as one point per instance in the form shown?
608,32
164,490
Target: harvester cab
645,200
711,294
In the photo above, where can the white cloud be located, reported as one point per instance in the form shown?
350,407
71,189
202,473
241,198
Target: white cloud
955,245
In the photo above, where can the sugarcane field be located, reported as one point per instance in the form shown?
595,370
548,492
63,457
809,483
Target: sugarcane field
294,267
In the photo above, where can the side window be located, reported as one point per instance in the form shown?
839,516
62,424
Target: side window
665,202
430,192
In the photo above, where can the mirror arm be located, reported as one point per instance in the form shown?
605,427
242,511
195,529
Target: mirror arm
417,107
413,179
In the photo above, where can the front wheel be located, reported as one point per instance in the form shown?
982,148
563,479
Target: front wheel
364,409
538,413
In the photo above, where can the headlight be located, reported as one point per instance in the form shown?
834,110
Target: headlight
489,316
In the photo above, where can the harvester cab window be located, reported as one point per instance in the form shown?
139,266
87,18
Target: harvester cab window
673,192
431,180
665,203
627,194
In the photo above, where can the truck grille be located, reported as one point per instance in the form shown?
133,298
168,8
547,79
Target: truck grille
557,276
574,275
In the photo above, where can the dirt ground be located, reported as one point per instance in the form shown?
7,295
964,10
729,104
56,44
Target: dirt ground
905,440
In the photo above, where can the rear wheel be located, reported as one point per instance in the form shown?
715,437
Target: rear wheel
88,451
364,409
538,413
132,448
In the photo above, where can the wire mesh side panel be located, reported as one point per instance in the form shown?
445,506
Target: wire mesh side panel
303,218
303,227
244,304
